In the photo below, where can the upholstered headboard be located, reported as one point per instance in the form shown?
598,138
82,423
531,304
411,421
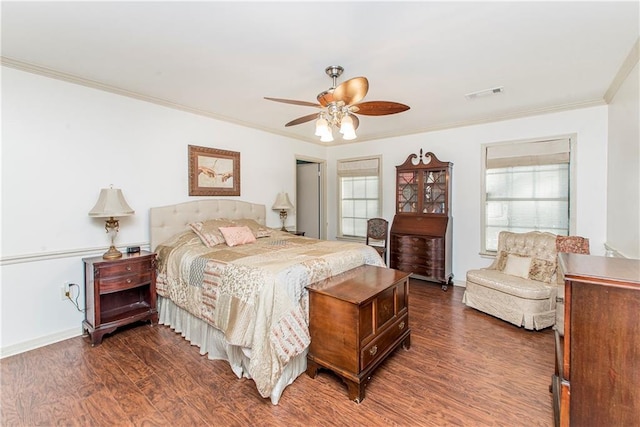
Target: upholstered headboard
165,221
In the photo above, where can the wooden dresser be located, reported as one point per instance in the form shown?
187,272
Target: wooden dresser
356,320
597,378
421,232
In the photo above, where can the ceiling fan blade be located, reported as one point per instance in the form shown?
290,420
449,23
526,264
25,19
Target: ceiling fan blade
302,119
294,102
379,108
352,91
325,98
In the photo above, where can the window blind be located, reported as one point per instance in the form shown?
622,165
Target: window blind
359,191
526,188
361,167
549,152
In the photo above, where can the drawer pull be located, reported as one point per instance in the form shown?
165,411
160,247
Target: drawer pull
128,281
401,325
373,350
128,268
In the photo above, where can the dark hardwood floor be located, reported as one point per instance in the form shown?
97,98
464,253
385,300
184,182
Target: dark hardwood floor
464,368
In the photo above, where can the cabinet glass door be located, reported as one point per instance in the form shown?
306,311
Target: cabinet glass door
435,192
407,192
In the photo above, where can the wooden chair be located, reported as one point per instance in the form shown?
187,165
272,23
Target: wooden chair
377,232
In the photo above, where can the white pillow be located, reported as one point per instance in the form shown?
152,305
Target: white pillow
517,265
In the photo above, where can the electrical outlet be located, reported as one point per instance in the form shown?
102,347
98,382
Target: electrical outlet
65,291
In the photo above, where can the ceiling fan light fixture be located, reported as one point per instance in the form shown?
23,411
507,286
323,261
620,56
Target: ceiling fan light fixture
346,128
338,104
348,136
327,136
322,126
346,125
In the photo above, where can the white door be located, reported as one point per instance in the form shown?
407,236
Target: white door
309,200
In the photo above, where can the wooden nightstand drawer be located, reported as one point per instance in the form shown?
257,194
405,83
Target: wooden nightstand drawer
122,268
124,282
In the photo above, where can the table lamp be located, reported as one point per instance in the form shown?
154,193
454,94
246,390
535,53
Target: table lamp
111,204
282,204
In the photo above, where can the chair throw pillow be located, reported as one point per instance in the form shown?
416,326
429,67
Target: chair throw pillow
517,265
542,270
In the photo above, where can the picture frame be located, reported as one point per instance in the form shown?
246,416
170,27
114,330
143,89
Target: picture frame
213,172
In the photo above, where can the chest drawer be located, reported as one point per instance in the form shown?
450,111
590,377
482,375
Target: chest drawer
383,342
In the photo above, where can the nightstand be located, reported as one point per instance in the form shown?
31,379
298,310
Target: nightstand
119,292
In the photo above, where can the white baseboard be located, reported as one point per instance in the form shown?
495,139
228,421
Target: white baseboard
39,342
461,283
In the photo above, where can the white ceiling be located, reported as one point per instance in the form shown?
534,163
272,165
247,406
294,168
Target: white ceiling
221,58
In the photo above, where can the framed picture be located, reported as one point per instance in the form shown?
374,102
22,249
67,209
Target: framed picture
213,172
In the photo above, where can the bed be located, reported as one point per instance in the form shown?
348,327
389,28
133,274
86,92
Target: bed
240,300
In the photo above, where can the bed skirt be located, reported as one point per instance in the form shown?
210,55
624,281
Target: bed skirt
212,343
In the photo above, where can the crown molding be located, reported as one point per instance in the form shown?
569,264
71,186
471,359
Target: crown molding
628,64
631,60
70,78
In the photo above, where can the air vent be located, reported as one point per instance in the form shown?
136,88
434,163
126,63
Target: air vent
486,92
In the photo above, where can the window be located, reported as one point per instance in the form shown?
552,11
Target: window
526,188
359,194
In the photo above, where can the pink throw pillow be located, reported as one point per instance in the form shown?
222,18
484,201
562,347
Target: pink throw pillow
237,235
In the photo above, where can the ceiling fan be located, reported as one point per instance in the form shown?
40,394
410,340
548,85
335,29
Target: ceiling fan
339,105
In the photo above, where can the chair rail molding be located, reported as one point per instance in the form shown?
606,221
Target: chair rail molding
69,253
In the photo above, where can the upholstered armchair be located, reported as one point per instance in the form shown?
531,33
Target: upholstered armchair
522,285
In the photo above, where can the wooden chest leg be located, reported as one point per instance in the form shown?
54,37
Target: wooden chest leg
406,344
356,391
312,368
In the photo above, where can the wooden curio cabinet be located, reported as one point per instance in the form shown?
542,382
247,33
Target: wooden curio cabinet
420,238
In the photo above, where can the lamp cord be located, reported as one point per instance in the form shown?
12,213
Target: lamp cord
76,299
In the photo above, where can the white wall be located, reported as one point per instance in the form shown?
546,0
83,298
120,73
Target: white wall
462,147
61,143
623,169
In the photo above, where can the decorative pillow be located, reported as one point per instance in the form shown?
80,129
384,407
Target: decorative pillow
256,228
572,244
517,265
209,232
235,236
542,270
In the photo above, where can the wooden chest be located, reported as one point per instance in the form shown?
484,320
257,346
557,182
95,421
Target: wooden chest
356,320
